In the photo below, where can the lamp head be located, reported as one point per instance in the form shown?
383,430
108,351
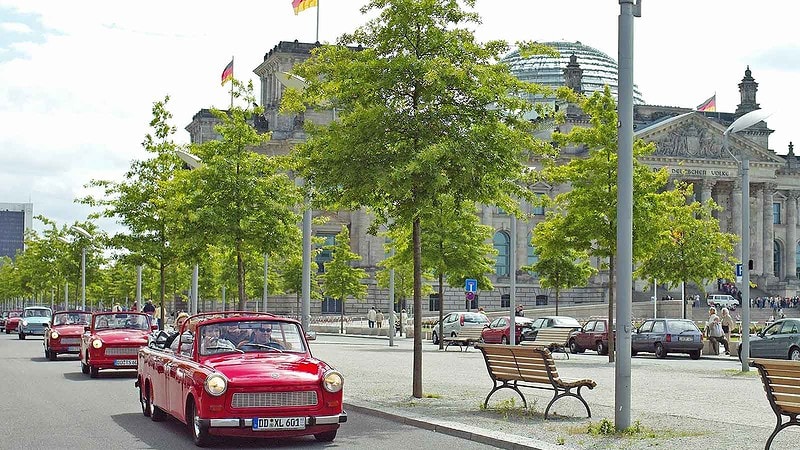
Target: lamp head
81,231
193,161
747,120
291,81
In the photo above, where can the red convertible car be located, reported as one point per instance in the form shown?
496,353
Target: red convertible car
240,374
12,321
64,333
113,340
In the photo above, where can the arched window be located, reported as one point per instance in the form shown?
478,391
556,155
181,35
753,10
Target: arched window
776,258
501,244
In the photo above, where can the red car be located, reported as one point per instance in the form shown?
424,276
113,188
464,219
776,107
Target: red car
64,334
593,335
112,341
240,374
497,332
12,321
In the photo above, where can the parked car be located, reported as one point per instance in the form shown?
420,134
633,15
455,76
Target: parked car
663,336
64,334
593,335
112,341
453,322
12,321
34,321
722,301
529,333
780,340
241,374
498,331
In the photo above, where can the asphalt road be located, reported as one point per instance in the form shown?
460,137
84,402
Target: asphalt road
53,405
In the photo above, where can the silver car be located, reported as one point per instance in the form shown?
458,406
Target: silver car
780,340
663,336
455,321
35,320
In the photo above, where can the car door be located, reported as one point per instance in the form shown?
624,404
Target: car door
639,339
584,338
785,338
657,335
599,333
490,334
448,327
175,370
763,347
157,360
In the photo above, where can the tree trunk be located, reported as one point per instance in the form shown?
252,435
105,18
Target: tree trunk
557,299
162,274
341,320
240,278
441,310
612,343
417,366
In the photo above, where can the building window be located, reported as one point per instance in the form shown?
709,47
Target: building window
777,254
501,244
331,306
776,213
505,300
538,210
533,258
325,254
501,212
433,302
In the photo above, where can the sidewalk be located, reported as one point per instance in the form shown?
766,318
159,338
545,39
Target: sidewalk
703,404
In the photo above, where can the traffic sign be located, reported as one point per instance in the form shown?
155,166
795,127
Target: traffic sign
470,296
471,285
738,270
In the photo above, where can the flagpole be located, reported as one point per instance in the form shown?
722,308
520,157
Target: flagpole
232,65
318,1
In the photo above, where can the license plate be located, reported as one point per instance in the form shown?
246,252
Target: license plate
74,349
279,423
125,362
685,338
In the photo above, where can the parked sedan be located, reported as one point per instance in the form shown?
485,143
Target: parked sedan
593,335
529,334
663,336
781,340
453,322
498,331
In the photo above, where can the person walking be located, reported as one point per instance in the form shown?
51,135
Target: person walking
371,316
727,323
715,333
379,318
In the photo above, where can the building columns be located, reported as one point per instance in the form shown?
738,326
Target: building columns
705,192
791,236
736,221
757,228
768,241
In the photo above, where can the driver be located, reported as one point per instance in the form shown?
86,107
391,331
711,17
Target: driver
261,336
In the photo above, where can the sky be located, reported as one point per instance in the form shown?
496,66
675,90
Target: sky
78,79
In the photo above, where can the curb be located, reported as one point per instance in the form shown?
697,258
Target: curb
455,429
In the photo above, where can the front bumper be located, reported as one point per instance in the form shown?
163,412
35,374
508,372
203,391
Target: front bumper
247,423
32,330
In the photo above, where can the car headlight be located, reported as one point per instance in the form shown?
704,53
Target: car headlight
97,343
54,335
332,381
216,384
24,323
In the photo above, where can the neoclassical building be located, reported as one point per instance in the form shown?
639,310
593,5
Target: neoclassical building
689,144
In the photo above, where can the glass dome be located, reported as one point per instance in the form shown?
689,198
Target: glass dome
598,68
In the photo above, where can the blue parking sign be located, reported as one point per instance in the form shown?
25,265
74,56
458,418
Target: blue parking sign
471,285
738,270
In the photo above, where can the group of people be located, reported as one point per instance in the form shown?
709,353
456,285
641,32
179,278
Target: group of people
718,329
375,317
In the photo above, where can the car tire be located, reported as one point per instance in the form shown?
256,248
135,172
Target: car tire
21,336
695,354
51,355
7,332
156,413
200,434
94,372
144,400
794,354
661,353
504,340
435,338
601,348
327,436
84,367
573,346
634,352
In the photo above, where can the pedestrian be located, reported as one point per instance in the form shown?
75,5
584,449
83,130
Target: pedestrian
519,312
401,321
715,333
149,308
371,316
481,311
727,323
134,307
158,316
379,318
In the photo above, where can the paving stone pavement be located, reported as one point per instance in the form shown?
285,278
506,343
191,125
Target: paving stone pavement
707,404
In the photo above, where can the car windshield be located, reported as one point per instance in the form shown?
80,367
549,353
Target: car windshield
121,321
71,318
566,322
475,318
680,326
38,312
250,336
14,314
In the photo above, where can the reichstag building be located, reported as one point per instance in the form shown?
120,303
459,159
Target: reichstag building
689,144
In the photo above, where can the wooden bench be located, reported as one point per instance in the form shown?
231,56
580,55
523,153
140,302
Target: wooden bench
466,337
513,367
553,339
782,384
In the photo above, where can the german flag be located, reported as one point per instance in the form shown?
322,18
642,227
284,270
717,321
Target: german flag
227,74
301,5
709,105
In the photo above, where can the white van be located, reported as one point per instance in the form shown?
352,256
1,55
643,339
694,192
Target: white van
722,301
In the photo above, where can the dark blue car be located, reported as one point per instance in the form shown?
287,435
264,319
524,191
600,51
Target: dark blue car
663,336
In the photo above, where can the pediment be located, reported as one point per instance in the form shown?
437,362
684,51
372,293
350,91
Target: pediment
693,136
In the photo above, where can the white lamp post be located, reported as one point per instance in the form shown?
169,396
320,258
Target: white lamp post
746,121
88,236
193,162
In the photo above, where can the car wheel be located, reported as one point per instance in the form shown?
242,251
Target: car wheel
144,400
51,355
7,332
85,367
601,349
695,354
504,340
573,346
634,353
156,413
794,354
93,372
21,336
435,338
327,436
199,432
46,353
660,352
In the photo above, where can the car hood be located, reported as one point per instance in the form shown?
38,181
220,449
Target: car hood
254,369
68,330
122,336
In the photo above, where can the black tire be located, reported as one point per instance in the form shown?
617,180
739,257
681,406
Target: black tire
504,340
327,436
694,354
661,353
634,353
7,332
601,348
94,372
144,400
794,354
51,355
200,434
21,336
156,414
573,346
85,367
435,338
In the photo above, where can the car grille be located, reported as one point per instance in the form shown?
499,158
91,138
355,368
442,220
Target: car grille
112,351
273,399
70,341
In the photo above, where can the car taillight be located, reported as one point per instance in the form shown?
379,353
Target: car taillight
669,338
461,321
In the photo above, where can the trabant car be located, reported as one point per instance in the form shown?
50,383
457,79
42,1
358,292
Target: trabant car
64,334
112,341
240,374
34,321
12,321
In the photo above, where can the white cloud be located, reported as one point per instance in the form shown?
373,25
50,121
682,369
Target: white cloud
15,27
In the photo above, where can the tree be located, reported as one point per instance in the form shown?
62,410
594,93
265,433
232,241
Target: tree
238,199
341,280
291,272
426,112
559,265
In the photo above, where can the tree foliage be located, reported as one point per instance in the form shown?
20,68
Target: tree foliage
341,280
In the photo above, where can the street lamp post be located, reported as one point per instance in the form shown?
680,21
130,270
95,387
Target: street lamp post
746,121
88,236
193,162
